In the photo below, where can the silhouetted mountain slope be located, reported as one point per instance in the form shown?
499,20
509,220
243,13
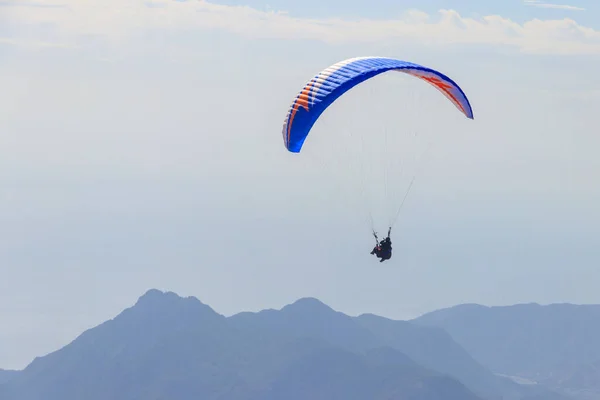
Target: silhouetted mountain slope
377,375
308,317
430,347
583,376
148,347
7,375
167,347
557,345
434,348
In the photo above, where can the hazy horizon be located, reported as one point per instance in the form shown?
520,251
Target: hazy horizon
141,148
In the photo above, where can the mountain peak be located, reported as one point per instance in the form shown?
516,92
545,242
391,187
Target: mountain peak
155,295
308,304
158,300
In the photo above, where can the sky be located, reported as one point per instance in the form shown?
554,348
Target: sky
141,147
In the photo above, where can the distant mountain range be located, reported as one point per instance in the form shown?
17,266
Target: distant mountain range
173,348
557,346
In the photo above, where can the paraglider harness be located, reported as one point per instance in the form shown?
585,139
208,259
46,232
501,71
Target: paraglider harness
383,249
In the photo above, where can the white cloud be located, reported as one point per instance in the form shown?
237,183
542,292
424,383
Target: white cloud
538,3
120,19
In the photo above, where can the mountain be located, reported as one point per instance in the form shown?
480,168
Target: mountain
168,347
308,317
143,350
380,374
7,375
582,381
430,347
556,345
434,348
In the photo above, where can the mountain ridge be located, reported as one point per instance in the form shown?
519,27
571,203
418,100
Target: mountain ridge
165,346
557,344
162,344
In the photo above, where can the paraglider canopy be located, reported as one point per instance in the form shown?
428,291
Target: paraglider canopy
334,81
